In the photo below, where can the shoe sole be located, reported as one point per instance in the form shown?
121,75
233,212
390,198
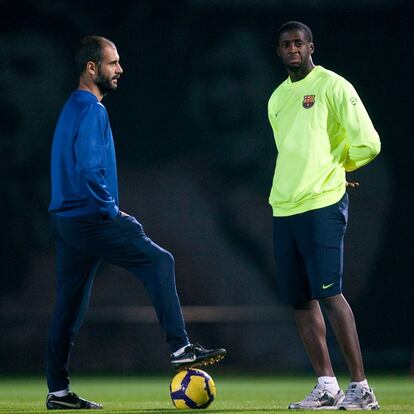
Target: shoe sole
68,408
370,407
61,408
205,362
57,406
330,407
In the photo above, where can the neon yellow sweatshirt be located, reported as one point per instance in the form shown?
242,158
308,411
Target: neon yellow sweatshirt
322,130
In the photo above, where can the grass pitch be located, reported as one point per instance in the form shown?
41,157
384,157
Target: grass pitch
244,394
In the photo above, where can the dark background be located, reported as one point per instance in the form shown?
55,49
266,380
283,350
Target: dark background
196,156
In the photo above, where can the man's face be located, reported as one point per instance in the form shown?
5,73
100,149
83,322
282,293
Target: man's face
294,49
109,70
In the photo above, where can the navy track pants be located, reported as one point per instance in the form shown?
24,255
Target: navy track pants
82,243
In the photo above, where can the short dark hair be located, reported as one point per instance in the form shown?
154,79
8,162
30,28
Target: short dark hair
90,50
294,25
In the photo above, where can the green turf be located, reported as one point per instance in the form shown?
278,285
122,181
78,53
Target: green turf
249,394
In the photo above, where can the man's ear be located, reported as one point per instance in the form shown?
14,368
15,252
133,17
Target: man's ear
91,67
312,47
278,51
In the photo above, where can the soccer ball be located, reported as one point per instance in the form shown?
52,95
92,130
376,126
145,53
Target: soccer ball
192,388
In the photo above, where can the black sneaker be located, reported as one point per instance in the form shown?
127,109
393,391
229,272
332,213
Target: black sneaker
70,402
194,355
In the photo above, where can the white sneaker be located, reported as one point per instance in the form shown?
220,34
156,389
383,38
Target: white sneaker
358,397
319,399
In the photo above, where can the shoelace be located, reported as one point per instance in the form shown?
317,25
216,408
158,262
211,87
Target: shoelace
353,394
315,394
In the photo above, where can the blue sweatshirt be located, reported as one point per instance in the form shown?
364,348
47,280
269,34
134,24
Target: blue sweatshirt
83,164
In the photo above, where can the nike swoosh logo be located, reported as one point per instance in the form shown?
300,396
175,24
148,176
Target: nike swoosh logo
190,359
327,286
66,404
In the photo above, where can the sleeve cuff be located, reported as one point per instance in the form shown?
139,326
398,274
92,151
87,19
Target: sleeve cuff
110,215
114,212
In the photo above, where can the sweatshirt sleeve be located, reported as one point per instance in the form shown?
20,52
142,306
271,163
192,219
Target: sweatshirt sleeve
362,139
91,162
271,114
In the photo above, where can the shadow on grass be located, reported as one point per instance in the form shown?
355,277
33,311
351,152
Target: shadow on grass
169,411
143,410
175,411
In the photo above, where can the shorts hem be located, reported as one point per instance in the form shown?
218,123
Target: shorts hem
328,294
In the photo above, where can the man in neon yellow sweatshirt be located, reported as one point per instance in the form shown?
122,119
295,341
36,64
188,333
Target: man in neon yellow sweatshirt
322,131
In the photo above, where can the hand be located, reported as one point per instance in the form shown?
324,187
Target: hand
352,184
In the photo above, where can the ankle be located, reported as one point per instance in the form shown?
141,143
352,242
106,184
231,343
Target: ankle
61,393
329,383
363,383
180,350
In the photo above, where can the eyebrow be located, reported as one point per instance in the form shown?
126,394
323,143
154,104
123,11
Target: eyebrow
283,42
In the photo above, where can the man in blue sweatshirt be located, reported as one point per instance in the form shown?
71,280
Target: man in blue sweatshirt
88,227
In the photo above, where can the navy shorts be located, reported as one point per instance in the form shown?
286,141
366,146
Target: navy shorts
308,249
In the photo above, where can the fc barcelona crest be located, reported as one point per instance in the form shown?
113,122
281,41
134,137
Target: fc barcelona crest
308,101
